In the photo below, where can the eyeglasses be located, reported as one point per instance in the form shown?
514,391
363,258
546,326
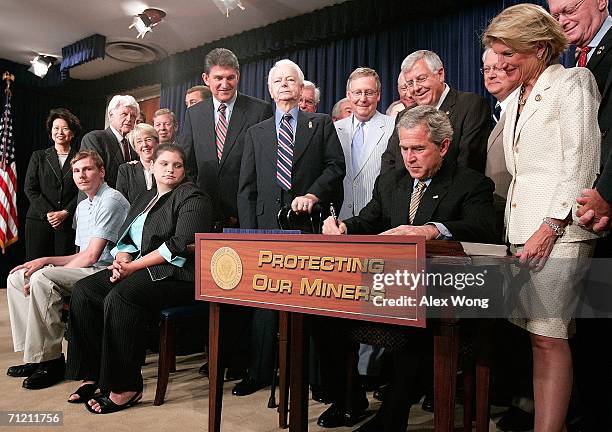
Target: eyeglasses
367,93
488,69
569,11
419,80
402,88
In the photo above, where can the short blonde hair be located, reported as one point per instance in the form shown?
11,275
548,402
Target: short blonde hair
522,26
139,129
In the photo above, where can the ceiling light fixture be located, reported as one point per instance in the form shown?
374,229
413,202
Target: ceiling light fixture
225,6
145,21
41,64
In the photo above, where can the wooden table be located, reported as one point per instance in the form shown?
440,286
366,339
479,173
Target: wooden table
292,325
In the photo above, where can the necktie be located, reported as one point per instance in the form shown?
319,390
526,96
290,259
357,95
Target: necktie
582,57
357,148
125,147
221,131
415,200
497,112
284,160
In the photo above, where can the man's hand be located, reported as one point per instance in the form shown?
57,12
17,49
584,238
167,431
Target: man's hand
537,248
123,257
304,204
56,218
31,266
592,211
429,231
331,226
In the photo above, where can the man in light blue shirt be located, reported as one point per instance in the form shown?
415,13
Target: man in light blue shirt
35,289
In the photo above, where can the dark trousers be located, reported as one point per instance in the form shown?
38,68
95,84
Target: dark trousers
264,340
42,240
108,324
593,355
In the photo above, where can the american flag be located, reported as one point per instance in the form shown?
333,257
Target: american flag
8,180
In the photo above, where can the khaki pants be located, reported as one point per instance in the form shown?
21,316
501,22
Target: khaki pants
36,323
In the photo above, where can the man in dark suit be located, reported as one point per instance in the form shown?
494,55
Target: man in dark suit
294,159
213,134
428,196
588,26
112,143
469,113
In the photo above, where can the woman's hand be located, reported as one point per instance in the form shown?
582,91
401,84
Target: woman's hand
121,270
56,218
537,249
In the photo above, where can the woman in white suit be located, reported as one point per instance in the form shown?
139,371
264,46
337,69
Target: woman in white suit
551,145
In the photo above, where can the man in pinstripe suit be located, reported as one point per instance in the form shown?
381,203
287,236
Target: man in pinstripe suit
364,136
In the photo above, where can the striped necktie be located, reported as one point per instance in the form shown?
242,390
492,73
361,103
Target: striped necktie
221,131
415,200
284,160
497,112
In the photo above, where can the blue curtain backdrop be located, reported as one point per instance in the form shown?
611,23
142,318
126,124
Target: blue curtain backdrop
455,36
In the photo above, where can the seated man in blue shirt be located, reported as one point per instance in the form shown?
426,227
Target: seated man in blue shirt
35,290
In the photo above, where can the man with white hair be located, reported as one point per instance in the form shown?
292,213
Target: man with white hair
111,143
469,113
291,159
310,97
341,110
166,126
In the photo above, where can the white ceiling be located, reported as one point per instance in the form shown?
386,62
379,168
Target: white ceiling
29,27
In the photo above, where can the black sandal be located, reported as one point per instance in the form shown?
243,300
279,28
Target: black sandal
85,393
107,406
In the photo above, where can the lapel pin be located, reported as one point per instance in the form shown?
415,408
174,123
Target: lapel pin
309,125
538,97
435,197
447,112
600,50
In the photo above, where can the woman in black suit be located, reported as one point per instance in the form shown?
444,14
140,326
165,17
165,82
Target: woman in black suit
51,190
152,270
136,177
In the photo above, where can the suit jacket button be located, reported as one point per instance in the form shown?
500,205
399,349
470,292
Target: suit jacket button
350,206
513,205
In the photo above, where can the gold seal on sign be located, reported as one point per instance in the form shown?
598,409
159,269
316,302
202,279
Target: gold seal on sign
226,268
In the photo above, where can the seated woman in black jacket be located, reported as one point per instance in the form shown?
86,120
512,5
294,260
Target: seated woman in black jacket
152,270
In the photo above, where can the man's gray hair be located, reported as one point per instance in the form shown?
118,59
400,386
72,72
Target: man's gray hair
164,111
220,57
123,100
286,62
436,121
337,106
431,58
485,53
317,92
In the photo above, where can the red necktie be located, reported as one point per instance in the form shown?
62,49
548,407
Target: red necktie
582,57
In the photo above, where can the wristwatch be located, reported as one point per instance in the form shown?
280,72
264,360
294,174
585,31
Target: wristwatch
558,229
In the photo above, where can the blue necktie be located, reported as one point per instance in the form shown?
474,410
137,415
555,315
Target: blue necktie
497,112
357,148
284,159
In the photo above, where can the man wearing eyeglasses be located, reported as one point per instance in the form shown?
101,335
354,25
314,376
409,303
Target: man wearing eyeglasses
588,25
504,86
469,113
310,97
404,92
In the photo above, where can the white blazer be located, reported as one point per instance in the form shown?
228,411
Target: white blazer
552,152
358,185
